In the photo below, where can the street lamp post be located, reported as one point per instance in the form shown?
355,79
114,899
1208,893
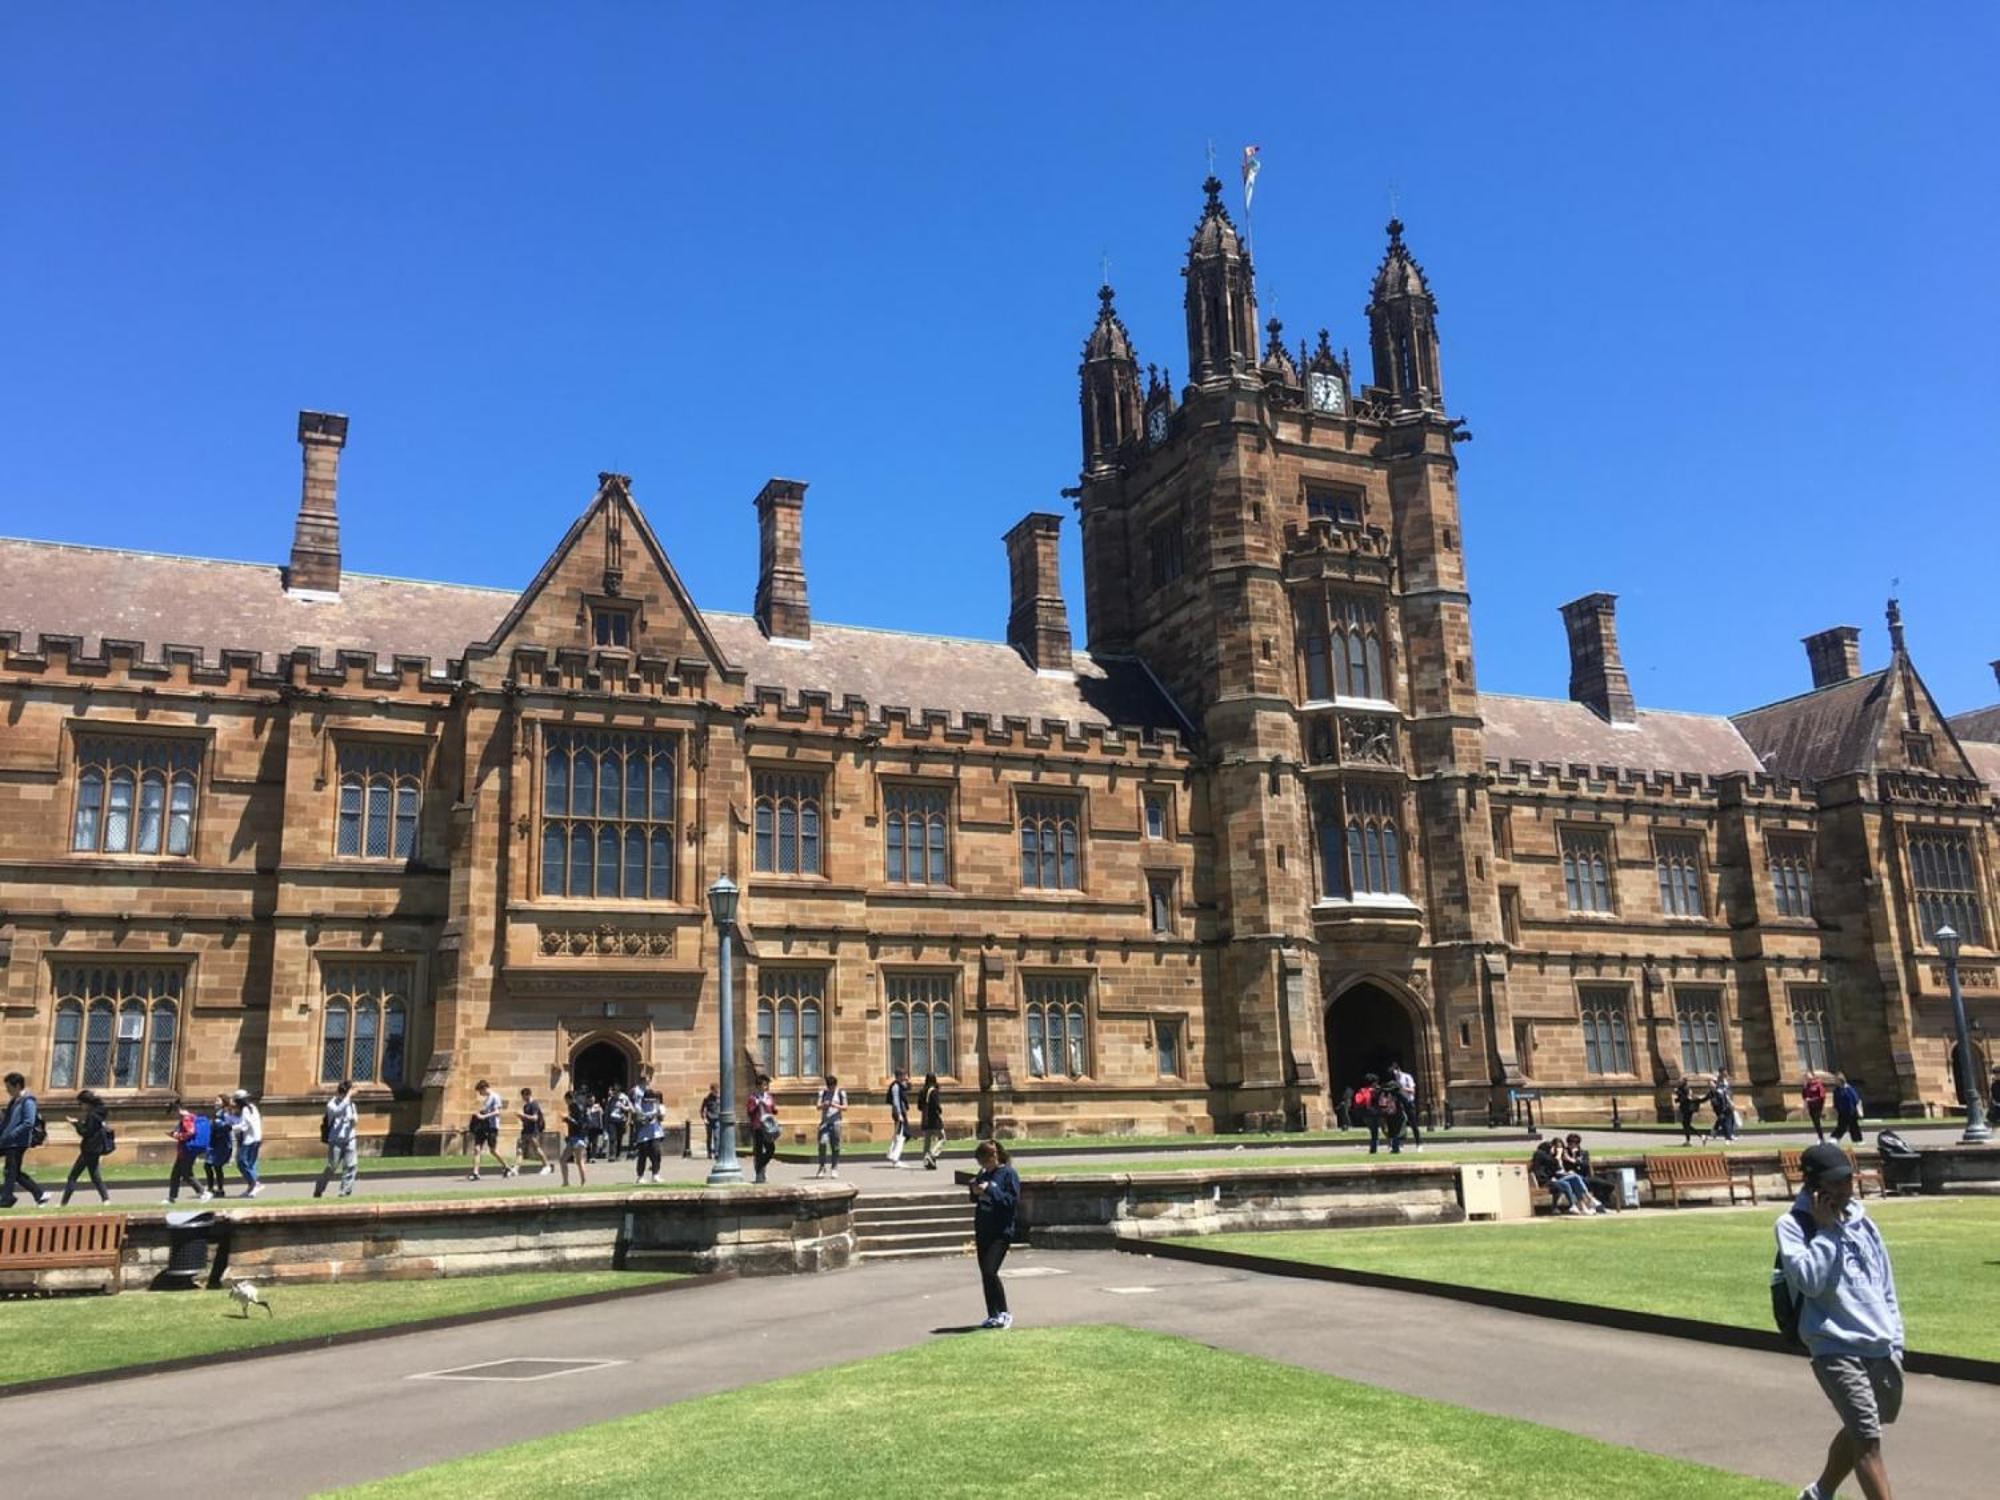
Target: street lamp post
1976,1133
727,1171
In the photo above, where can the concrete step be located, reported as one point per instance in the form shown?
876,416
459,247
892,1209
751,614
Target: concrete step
926,1252
883,1213
947,1198
953,1239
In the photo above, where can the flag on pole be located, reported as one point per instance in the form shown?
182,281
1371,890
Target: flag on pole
1251,166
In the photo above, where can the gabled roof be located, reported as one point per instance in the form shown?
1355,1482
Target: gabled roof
1550,731
1979,724
1830,731
156,600
1985,760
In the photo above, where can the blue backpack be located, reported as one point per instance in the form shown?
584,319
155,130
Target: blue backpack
199,1140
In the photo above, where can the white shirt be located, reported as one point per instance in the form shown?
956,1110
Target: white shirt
249,1125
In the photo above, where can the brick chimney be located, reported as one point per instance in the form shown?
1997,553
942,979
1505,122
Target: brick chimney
781,567
1038,620
1596,675
315,566
1835,655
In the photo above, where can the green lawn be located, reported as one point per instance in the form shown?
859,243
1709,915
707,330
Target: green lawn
50,1336
50,1167
1069,1411
494,1186
1712,1264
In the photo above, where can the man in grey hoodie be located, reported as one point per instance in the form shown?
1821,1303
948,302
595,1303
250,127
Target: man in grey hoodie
1848,1318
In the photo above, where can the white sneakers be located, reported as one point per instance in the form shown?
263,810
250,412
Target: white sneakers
999,1320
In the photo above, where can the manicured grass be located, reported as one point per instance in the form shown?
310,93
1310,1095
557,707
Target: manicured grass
1712,1264
51,1167
50,1336
1068,1411
1432,1156
493,1187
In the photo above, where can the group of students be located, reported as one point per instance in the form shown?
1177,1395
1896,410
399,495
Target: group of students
594,1128
925,1103
1561,1167
1385,1107
205,1142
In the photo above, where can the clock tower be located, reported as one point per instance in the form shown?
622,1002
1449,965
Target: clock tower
1283,553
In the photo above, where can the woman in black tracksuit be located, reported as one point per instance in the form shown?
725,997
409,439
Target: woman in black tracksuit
91,1144
996,1193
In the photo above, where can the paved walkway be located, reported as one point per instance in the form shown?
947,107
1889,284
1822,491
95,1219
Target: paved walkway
296,1424
874,1177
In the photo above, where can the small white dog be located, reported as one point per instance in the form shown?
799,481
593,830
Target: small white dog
244,1295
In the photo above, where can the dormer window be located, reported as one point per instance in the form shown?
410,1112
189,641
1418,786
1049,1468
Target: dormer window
611,625
1917,750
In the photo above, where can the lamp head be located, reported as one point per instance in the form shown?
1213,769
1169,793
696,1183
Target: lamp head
1947,943
722,899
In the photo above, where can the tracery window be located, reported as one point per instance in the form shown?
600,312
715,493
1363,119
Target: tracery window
1812,1027
117,1026
380,788
1700,1013
1586,862
364,1034
788,821
134,795
1360,840
608,814
1057,1022
1342,641
1050,833
789,1007
920,1032
914,821
1791,875
1606,1046
1678,860
1941,869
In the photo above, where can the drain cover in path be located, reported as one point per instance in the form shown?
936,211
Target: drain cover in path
518,1369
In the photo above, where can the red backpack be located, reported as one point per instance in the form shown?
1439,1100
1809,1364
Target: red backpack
1364,1098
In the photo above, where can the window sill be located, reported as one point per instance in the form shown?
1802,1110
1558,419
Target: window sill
1366,705
1370,901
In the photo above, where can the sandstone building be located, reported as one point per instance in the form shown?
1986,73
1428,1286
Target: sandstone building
279,825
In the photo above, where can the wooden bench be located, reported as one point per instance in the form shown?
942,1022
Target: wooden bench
1675,1175
1795,1174
94,1242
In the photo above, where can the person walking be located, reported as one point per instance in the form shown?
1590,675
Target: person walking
190,1140
930,1111
1389,1110
249,1140
93,1141
649,1124
1366,1113
832,1116
1686,1102
576,1137
532,1122
1837,1269
1722,1099
221,1146
617,1114
711,1117
899,1115
764,1128
996,1195
21,1129
1846,1109
337,1129
486,1130
1813,1092
1406,1091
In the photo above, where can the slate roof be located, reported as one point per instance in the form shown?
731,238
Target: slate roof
160,600
1828,732
1980,724
1551,731
1985,758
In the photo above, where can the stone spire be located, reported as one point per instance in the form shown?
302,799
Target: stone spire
1402,330
1221,298
1110,388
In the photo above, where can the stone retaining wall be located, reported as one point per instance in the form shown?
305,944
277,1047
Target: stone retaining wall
751,1230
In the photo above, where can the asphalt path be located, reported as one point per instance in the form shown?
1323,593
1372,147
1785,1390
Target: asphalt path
292,1425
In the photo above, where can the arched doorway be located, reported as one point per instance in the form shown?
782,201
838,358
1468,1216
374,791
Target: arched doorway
599,1066
1367,1028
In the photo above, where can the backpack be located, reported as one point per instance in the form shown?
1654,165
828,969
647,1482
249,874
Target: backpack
198,1140
1785,1308
1389,1104
110,1138
1364,1099
38,1133
890,1097
325,1127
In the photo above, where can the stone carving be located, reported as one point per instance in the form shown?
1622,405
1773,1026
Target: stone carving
1970,977
1368,742
607,941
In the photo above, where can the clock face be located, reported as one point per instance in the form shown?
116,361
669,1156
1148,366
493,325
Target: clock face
1156,426
1323,390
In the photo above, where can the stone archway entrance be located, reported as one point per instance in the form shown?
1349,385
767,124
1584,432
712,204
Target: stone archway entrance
599,1065
1367,1028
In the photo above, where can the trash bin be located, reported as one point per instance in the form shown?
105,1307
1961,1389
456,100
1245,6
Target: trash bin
188,1237
1627,1179
1902,1167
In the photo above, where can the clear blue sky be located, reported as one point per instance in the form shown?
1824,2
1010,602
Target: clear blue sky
1717,288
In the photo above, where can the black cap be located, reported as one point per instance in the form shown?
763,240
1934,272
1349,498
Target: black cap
1825,1163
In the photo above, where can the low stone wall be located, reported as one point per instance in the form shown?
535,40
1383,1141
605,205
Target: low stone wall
1960,1169
755,1231
1080,1210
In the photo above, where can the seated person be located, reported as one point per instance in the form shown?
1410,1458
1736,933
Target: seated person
1574,1158
1569,1192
